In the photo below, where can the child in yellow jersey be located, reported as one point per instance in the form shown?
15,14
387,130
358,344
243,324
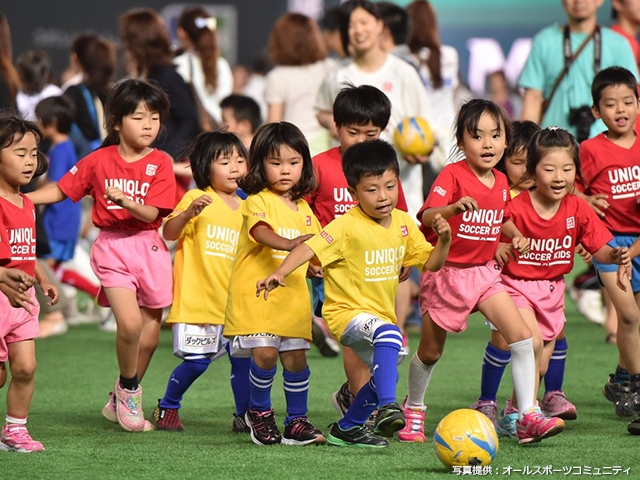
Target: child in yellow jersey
362,254
276,219
207,224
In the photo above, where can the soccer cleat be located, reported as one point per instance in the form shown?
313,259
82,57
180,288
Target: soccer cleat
129,408
614,391
358,436
16,438
555,404
370,423
629,405
389,420
534,426
167,419
299,431
488,407
413,430
239,424
506,422
264,430
342,399
322,338
634,426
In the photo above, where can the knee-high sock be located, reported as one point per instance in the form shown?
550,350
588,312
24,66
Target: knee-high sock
240,385
493,365
260,387
363,405
419,377
181,379
387,341
554,377
523,372
296,393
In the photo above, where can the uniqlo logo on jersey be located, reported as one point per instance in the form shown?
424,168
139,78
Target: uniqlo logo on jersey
74,170
258,214
440,191
326,236
308,220
571,222
404,230
151,169
387,86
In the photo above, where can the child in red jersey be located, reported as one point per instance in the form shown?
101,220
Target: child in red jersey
133,187
19,163
473,196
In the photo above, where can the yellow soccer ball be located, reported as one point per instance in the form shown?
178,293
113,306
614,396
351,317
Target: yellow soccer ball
413,136
465,437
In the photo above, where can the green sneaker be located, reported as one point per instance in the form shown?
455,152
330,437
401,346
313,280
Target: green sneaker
389,420
358,436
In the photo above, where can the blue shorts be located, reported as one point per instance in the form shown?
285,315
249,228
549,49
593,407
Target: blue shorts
622,241
317,289
62,250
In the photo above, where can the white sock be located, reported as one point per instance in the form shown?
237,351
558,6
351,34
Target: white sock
15,421
523,372
419,377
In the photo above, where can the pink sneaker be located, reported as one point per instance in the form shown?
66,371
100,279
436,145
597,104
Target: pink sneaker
16,438
109,412
129,408
413,430
555,404
488,407
534,427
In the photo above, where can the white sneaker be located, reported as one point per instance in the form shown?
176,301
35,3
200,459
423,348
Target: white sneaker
109,325
589,305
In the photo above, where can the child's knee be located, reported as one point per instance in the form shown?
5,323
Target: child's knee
430,353
23,371
265,358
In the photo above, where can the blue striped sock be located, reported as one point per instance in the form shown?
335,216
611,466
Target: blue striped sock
296,393
387,341
554,377
181,379
363,405
493,365
240,385
260,387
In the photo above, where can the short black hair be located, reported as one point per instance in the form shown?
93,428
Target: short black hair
361,105
610,77
332,19
371,158
59,109
244,108
396,20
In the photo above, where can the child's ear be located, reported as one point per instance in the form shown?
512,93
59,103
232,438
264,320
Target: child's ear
596,111
353,193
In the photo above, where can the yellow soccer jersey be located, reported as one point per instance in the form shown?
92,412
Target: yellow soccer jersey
202,266
287,313
361,261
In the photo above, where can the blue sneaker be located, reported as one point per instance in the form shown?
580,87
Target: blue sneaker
506,423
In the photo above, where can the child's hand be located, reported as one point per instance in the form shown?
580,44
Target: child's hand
16,279
198,205
272,282
586,256
314,271
520,244
117,196
441,228
417,159
16,298
298,240
50,291
465,204
598,203
620,256
504,254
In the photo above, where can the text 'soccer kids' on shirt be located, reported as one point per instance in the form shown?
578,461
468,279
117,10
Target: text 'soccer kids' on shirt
203,260
148,181
474,235
18,238
361,260
331,199
613,170
552,242
287,313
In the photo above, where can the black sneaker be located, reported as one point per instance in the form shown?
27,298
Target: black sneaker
634,426
239,424
358,436
299,431
630,403
389,420
613,391
342,399
322,338
264,430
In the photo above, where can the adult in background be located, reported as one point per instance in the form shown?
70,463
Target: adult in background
9,78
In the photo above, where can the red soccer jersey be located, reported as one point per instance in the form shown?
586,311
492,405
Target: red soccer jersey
148,181
614,171
475,235
552,242
19,235
331,199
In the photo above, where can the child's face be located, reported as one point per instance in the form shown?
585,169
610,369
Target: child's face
140,128
377,196
484,149
225,172
351,134
364,31
618,108
283,170
516,167
18,161
555,175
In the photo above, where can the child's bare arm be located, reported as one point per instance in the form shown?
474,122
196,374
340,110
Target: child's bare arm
173,227
264,235
298,257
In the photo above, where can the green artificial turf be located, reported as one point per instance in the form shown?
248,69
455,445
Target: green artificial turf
76,372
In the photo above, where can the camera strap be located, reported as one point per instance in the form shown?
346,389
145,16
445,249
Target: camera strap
569,58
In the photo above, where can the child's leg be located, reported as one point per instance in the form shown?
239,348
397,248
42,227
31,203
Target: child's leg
239,379
3,374
554,376
496,358
262,371
149,337
611,319
358,375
